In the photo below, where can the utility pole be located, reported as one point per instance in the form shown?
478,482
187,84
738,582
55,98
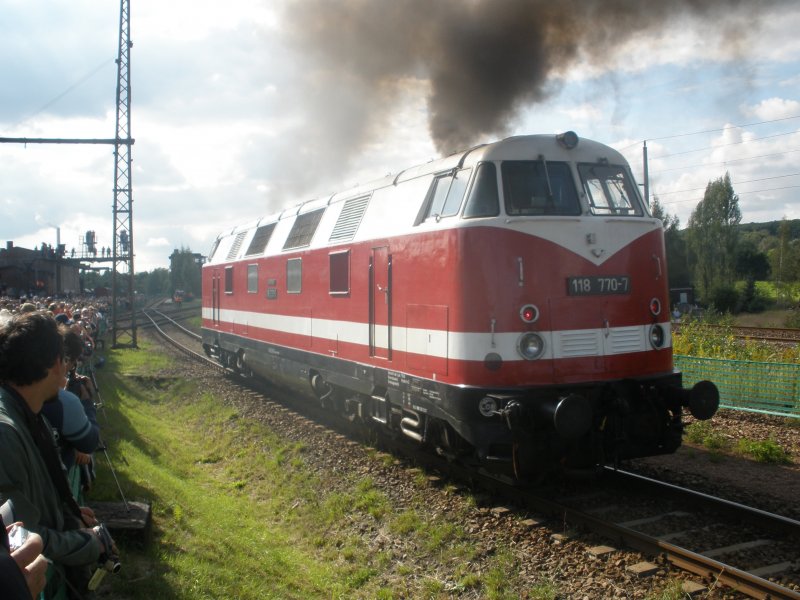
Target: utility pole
646,170
124,333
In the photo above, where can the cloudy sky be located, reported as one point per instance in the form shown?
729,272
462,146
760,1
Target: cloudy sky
243,107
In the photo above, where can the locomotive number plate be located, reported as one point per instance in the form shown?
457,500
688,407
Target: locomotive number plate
598,285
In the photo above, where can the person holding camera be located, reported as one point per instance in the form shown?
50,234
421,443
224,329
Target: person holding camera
23,569
32,370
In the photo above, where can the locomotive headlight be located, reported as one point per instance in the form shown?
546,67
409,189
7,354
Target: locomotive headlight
655,307
568,139
530,346
529,313
657,336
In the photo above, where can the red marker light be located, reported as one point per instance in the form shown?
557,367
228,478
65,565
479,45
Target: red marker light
655,307
529,313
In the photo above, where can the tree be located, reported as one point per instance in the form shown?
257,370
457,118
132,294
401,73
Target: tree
153,283
675,246
185,271
750,263
712,236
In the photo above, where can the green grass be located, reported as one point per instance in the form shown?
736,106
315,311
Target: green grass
765,451
239,513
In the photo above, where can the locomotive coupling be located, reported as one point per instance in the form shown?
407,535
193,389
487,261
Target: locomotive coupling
570,415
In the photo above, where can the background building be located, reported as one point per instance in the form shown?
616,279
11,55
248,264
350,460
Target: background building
42,271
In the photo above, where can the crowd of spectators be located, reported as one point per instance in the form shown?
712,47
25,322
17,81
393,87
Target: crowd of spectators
48,434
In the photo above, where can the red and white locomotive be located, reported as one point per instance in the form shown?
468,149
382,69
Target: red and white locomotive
507,303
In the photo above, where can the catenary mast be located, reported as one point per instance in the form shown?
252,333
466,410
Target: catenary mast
124,332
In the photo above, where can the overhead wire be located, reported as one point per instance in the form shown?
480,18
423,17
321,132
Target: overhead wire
788,187
733,183
69,89
677,135
731,160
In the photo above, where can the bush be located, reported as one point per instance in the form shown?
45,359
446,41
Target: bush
765,451
724,298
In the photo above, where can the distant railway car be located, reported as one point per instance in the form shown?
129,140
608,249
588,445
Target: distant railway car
178,296
507,304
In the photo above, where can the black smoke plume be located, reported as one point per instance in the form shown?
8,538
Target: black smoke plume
484,59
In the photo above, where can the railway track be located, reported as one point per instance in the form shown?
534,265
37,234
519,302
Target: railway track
781,335
746,549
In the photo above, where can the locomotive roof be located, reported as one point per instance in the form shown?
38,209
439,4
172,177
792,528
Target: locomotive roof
519,147
524,147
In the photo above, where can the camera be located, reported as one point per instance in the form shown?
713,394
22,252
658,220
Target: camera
109,559
17,537
108,562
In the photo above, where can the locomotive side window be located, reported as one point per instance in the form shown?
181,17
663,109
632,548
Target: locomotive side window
252,279
539,188
340,272
260,240
228,280
610,190
294,275
446,193
303,229
483,200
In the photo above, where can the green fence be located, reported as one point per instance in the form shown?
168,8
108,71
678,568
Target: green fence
771,388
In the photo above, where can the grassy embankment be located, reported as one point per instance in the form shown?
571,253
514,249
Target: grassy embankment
239,513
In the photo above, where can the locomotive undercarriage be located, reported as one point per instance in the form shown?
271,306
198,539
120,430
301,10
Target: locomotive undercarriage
521,433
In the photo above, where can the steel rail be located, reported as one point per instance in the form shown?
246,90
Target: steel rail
776,524
188,351
196,336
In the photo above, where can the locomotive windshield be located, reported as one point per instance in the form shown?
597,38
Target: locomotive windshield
610,190
539,188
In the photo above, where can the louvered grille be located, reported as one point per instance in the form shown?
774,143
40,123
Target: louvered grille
349,219
579,343
237,245
626,339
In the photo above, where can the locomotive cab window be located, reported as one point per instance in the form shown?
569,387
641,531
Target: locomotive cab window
539,187
445,195
340,273
294,275
228,280
252,279
483,198
610,190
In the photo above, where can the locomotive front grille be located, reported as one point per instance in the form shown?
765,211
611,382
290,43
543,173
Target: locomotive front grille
625,339
597,342
578,343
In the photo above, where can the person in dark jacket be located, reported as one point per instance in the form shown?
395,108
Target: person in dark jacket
32,370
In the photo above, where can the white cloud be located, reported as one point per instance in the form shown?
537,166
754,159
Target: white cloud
773,108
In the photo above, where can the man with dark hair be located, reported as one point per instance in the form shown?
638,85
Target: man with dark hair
32,370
